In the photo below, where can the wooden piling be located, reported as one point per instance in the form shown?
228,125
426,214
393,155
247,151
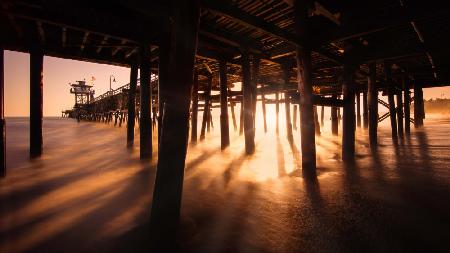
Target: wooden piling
277,110
206,109
400,113
316,121
358,109
419,111
286,78
263,105
233,116
224,126
208,119
294,118
365,111
146,103
255,76
154,114
2,116
249,130
372,104
322,116
334,119
164,76
36,101
348,92
166,205
391,91
241,117
407,98
194,111
132,103
304,73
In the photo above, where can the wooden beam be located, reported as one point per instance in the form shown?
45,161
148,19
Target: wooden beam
105,39
41,32
76,15
233,12
131,52
64,37
365,21
114,52
83,42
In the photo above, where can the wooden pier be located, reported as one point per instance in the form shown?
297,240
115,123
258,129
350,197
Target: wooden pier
308,54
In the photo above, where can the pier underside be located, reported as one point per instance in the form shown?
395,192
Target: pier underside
76,199
172,183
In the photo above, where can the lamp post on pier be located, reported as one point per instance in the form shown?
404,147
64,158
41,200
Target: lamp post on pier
114,80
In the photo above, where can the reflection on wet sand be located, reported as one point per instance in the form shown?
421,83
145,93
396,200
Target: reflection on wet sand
92,194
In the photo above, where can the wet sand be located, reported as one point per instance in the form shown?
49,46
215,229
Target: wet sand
89,193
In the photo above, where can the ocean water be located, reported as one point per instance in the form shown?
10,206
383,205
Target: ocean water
89,193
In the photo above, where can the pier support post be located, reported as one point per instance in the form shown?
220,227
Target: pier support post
334,119
224,126
206,109
145,126
419,112
407,98
316,121
263,104
249,130
208,119
277,110
163,78
391,91
400,113
294,118
348,92
194,116
165,213
241,115
255,76
36,101
233,116
373,104
365,111
286,77
132,103
304,72
322,115
2,116
358,109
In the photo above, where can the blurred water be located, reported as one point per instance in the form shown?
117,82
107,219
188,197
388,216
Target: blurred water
89,193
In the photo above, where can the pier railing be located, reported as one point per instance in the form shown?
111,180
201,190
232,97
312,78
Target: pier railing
112,92
119,90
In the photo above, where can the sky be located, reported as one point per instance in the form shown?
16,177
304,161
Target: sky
58,73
